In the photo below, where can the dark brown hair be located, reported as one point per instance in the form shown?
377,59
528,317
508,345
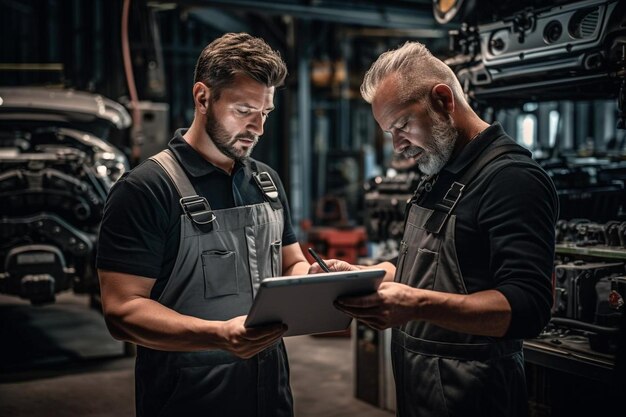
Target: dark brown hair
238,53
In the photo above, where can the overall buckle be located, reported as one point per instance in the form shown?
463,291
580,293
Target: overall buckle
266,183
198,210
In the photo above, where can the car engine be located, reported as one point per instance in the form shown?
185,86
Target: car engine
57,164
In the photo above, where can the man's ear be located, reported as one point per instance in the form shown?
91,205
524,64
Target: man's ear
201,97
443,98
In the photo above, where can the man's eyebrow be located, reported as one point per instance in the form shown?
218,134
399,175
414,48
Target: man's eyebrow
250,106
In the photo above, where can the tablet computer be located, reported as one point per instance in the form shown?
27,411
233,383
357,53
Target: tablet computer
305,302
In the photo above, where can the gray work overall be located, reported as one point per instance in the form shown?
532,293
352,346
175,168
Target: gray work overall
222,257
440,372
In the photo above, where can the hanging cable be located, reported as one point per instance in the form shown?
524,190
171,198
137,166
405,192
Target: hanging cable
136,131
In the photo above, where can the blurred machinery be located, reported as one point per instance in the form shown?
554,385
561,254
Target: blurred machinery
589,294
386,198
385,201
531,49
589,188
576,296
334,237
57,164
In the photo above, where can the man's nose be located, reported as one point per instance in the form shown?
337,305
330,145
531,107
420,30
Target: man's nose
397,141
256,123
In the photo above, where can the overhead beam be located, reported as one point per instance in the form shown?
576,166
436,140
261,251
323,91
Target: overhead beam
220,20
375,14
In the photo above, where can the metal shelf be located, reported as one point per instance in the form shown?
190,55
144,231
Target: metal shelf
590,365
596,251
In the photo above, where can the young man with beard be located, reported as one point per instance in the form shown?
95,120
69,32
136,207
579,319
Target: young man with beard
473,276
185,240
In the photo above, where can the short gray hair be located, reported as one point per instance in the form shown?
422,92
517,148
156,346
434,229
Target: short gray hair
419,71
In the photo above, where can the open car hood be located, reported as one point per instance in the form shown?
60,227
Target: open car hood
54,104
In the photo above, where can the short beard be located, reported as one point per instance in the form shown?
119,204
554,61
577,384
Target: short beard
437,154
222,141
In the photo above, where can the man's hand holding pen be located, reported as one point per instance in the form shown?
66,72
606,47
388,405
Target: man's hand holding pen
332,265
319,261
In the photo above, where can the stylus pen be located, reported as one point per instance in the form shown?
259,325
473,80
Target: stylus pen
319,260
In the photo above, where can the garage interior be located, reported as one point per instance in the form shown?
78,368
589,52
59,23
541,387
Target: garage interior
552,73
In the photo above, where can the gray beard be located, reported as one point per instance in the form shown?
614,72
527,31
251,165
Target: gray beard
437,155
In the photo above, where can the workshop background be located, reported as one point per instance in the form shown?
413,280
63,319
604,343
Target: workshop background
88,89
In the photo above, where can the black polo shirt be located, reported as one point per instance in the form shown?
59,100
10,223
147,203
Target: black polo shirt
505,225
140,230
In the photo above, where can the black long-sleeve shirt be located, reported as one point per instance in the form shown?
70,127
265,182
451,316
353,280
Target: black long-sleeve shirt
505,226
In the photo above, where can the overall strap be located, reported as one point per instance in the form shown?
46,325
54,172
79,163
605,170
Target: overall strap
195,207
268,188
443,209
425,184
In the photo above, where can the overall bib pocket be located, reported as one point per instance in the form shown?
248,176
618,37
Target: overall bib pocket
424,269
220,273
417,267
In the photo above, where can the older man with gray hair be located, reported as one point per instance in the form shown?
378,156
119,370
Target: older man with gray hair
473,275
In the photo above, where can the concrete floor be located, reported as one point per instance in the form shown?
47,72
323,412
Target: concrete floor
60,360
